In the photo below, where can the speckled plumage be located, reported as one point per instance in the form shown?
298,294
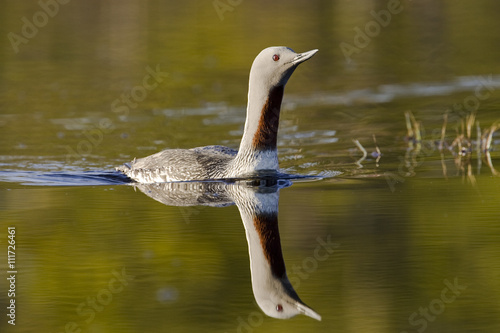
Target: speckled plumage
208,162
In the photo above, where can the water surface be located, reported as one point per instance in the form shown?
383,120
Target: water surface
415,227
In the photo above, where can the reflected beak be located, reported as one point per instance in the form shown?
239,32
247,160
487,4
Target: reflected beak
301,57
304,309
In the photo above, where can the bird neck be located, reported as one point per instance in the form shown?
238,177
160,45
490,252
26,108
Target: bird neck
262,122
259,213
265,226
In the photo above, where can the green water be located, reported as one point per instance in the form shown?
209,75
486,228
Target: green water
417,230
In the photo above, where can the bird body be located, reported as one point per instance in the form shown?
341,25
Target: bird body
269,74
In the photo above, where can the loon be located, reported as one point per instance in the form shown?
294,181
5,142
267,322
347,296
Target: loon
258,203
269,74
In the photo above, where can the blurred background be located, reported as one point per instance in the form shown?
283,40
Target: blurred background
73,99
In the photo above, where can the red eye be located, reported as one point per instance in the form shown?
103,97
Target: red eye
279,307
276,57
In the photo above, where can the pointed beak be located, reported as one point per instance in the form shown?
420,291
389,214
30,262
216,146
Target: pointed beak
305,310
301,57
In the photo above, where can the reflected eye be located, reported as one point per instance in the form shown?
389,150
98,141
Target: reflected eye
279,307
276,57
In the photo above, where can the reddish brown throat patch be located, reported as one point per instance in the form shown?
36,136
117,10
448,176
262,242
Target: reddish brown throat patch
267,131
267,229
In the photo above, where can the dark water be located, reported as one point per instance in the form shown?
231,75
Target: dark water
415,227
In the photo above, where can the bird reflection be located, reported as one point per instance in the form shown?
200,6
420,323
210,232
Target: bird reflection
257,201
